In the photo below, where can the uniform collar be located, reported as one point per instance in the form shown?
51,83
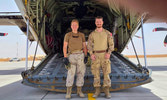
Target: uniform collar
74,33
97,31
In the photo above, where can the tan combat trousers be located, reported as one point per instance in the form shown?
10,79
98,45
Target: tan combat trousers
106,67
78,67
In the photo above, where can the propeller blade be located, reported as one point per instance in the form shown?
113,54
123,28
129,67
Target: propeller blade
159,29
138,36
3,34
165,41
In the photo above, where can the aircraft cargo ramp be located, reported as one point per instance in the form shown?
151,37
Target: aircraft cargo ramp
51,74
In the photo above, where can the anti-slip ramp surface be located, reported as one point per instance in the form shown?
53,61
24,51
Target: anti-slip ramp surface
52,75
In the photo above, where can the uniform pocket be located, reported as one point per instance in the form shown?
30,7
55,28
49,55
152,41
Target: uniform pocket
94,66
106,66
80,58
72,59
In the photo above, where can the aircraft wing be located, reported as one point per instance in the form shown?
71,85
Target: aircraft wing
14,18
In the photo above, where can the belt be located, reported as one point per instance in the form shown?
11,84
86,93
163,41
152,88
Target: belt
76,52
100,51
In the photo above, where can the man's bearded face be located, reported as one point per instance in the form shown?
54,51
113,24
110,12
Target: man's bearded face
99,23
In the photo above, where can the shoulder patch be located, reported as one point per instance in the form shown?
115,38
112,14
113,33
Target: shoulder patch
110,34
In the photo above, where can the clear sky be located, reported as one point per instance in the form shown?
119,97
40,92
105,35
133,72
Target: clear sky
8,44
154,41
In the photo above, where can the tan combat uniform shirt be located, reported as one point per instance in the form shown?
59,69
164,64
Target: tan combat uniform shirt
75,41
99,41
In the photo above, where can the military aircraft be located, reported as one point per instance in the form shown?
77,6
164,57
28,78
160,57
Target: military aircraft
49,20
3,34
161,29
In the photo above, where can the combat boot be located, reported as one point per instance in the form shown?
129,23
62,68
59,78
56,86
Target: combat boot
97,92
79,92
107,92
68,93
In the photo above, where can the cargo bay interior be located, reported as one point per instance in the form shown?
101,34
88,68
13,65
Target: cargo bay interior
60,15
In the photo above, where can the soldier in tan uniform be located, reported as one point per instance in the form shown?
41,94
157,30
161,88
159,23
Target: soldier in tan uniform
100,46
75,41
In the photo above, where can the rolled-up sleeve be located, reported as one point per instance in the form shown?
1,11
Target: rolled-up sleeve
66,38
90,44
110,43
83,38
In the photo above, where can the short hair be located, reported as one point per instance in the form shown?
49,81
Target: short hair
99,17
75,20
